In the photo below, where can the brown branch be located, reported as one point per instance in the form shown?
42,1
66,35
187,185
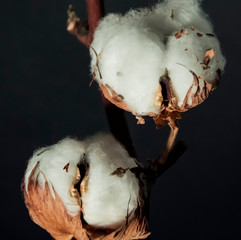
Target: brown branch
169,154
169,145
95,10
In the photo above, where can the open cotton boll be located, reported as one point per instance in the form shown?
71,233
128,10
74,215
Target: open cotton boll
85,190
112,189
151,61
57,165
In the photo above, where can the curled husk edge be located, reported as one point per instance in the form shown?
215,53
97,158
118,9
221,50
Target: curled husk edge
49,212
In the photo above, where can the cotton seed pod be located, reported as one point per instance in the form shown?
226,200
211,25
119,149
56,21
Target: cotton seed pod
157,62
85,190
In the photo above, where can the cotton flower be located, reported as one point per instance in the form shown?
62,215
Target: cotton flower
159,62
85,190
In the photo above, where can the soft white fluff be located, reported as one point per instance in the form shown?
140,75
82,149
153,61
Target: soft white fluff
187,53
134,50
52,161
108,197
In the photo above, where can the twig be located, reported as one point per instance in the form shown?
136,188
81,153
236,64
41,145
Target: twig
96,11
76,27
169,155
169,145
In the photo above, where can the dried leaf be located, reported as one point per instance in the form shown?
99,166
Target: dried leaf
180,32
208,56
172,14
116,97
199,34
140,120
195,78
119,172
118,100
38,154
97,61
66,167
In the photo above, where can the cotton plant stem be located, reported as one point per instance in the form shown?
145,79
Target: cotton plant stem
115,116
118,126
162,159
95,10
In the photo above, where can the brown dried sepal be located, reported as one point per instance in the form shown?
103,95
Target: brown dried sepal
199,96
50,213
180,32
113,97
171,112
208,56
166,117
140,120
169,109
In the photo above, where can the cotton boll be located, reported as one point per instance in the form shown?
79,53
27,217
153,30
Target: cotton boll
132,54
57,165
109,196
91,180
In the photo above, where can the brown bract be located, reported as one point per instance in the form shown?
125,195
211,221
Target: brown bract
50,213
169,109
180,32
208,56
113,97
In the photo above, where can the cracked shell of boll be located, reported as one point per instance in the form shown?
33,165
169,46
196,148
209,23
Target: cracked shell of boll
86,190
157,62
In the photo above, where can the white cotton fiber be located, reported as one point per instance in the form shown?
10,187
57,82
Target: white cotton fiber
109,198
135,50
52,161
122,62
186,54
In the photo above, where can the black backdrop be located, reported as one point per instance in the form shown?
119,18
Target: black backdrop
45,96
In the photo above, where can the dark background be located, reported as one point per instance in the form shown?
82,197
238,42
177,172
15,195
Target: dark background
45,96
